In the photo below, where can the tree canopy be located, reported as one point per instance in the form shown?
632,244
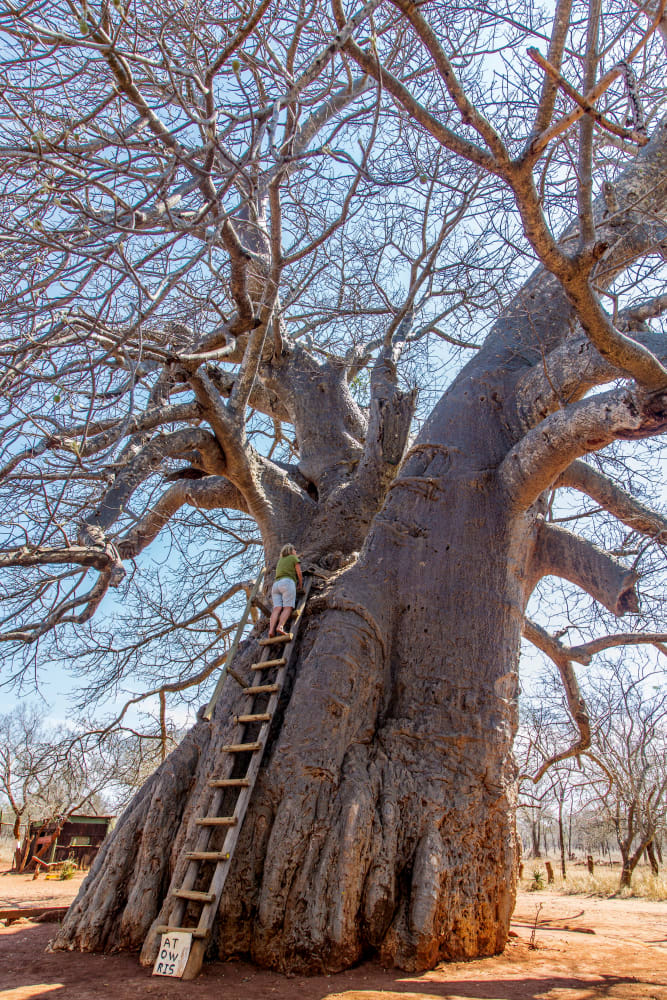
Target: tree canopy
236,240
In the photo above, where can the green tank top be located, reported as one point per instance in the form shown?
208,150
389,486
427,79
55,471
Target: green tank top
286,566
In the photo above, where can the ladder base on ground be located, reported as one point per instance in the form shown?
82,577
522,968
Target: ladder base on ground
254,727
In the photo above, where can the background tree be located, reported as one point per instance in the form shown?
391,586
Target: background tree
23,771
48,773
245,219
630,749
616,785
541,737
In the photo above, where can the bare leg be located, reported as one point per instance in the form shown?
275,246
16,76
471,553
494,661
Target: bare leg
284,617
275,615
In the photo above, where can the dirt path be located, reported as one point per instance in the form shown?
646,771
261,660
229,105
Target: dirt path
624,959
24,890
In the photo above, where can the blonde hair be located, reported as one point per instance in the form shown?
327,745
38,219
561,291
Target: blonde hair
287,550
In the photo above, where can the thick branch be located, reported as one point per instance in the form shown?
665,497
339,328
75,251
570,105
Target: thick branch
543,453
261,398
330,426
624,352
390,416
196,444
582,477
211,493
153,417
560,553
388,430
634,317
574,368
93,556
564,377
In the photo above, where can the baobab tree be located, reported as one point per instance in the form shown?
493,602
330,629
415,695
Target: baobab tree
242,222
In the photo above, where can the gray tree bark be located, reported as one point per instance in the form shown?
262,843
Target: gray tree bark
383,819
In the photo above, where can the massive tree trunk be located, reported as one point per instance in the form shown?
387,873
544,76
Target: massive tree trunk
383,819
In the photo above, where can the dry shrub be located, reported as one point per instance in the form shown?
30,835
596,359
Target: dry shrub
604,883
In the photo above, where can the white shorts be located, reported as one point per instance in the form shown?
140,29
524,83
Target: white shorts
283,593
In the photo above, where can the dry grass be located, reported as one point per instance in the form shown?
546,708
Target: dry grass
6,853
604,883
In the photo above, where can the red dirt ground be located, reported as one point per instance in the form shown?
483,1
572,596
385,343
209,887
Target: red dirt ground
624,959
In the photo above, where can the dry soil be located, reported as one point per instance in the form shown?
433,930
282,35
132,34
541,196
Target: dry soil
624,958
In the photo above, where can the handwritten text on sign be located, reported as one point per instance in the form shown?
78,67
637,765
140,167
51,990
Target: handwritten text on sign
173,954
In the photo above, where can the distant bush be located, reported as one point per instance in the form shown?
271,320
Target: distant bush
68,870
604,883
537,882
645,884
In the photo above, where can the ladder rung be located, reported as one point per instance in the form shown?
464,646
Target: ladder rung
228,783
269,663
217,821
207,856
242,747
263,689
277,638
262,717
198,897
170,929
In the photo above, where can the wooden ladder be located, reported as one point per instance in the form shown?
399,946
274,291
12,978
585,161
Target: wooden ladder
243,758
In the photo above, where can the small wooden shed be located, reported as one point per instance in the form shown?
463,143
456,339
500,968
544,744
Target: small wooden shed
79,839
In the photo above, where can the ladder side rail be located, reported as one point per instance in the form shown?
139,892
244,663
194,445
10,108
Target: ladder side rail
208,712
245,794
192,871
191,874
204,834
216,886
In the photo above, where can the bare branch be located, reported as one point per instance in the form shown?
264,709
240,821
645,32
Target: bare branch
584,652
544,452
211,493
581,476
560,553
538,145
469,113
575,702
640,138
450,140
554,57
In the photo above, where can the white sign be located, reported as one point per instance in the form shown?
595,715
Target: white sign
173,954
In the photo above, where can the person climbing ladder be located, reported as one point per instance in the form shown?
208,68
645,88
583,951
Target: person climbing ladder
283,592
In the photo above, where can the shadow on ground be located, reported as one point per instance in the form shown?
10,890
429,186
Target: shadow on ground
28,972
